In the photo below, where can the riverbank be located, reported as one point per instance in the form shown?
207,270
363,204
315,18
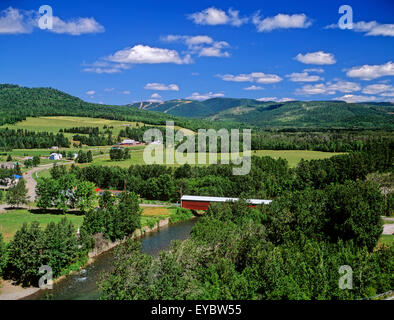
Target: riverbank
9,291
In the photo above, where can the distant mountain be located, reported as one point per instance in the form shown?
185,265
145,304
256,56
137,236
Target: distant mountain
318,114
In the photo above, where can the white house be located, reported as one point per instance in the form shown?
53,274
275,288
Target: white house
55,156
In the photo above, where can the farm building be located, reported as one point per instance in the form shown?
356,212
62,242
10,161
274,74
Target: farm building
202,203
55,156
7,165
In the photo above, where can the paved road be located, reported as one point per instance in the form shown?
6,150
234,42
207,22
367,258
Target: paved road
388,229
31,183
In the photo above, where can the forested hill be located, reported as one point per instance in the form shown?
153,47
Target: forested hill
17,103
318,114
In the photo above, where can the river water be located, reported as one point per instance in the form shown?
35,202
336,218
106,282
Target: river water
83,285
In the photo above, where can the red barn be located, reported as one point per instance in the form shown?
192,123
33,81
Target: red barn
202,203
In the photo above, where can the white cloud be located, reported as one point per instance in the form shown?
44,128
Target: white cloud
213,17
281,21
144,54
318,57
161,87
90,92
109,89
76,26
350,98
156,96
384,90
253,87
369,72
329,88
258,77
101,67
125,92
371,28
202,45
15,21
275,99
204,96
303,77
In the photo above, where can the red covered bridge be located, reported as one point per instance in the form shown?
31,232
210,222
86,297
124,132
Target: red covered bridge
202,203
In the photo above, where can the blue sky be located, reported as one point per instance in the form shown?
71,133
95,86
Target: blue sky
118,52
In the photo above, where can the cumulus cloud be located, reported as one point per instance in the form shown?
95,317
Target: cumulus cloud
90,92
258,77
384,90
161,87
125,92
76,26
371,28
370,72
329,88
145,54
15,21
253,87
281,21
303,77
202,45
213,17
350,98
318,57
204,96
156,96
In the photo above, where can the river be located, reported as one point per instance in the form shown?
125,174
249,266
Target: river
83,285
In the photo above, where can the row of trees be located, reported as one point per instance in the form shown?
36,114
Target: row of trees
117,154
268,177
23,139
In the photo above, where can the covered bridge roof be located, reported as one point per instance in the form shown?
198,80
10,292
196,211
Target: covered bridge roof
223,199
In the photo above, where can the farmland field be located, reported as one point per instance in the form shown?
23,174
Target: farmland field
292,156
13,220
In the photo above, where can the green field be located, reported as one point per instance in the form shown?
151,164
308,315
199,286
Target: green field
54,124
13,220
292,156
386,239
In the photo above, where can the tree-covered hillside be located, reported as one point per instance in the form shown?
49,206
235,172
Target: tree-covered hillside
17,103
268,114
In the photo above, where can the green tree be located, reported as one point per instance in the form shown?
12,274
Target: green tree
17,195
85,195
25,254
60,247
9,158
36,161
